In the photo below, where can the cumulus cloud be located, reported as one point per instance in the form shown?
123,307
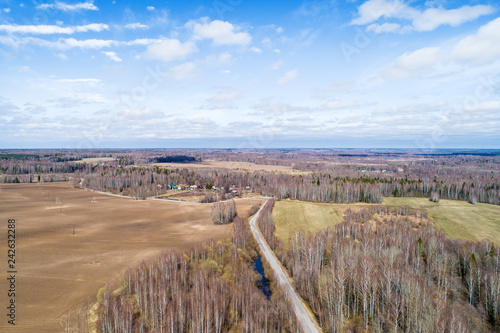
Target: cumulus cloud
89,5
134,26
481,47
220,32
52,29
169,50
421,20
288,77
150,8
476,49
113,56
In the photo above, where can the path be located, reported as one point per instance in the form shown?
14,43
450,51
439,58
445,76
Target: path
300,310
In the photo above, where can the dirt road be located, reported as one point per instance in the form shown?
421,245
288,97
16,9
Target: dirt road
301,312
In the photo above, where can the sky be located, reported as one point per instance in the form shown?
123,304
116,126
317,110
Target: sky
250,74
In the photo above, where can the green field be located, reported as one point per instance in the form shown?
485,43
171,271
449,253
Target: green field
457,219
299,215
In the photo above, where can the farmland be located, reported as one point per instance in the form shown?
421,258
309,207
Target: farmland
233,165
60,272
457,219
307,216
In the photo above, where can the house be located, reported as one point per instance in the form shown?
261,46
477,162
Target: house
193,187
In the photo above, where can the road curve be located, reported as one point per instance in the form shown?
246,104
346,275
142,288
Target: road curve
300,311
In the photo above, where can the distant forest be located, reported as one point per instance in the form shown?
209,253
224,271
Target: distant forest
177,159
337,176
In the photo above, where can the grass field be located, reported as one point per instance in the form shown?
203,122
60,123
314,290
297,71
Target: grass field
58,271
293,215
458,219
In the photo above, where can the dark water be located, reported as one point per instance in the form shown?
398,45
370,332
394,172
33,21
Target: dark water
264,286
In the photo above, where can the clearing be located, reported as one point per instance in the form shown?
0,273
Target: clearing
95,159
290,215
457,219
59,273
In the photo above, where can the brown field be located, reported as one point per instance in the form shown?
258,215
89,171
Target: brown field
56,272
243,166
95,159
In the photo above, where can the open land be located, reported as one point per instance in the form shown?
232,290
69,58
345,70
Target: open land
457,219
290,215
243,166
60,272
95,159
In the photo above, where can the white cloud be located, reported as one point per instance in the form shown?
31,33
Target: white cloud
484,106
335,105
224,58
6,10
225,97
382,28
150,8
372,10
66,43
137,25
52,29
410,62
220,32
88,81
277,64
288,77
481,47
255,49
113,56
87,43
426,20
182,72
432,18
89,5
141,113
169,50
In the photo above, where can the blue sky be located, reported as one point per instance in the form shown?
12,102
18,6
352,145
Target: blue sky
249,74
